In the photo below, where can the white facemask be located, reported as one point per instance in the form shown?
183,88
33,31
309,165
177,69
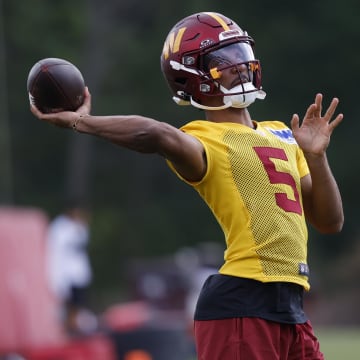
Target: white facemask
242,100
237,100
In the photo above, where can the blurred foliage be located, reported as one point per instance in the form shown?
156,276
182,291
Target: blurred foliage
139,207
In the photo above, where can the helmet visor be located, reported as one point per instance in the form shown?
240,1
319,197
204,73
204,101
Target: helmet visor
233,54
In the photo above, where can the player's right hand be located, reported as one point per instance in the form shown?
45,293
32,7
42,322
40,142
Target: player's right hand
65,119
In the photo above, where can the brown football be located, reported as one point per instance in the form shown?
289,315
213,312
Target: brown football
55,85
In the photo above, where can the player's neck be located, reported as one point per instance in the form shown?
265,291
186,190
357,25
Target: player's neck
239,116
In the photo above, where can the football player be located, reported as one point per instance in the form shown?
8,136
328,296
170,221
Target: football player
261,179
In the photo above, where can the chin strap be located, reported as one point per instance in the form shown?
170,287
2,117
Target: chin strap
204,107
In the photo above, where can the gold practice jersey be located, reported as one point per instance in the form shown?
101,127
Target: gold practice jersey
252,186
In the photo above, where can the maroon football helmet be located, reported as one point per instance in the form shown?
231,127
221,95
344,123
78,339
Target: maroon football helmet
196,50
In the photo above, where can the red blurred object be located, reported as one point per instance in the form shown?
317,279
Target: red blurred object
28,311
137,355
30,325
95,347
128,316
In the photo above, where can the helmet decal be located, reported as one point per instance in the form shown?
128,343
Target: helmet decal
205,43
172,42
219,20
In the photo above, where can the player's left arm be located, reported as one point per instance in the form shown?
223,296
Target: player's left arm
321,196
322,201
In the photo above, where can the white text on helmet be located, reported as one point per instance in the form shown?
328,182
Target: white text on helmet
231,34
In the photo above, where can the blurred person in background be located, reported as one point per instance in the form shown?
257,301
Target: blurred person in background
69,269
262,181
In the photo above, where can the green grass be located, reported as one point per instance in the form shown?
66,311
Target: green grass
339,343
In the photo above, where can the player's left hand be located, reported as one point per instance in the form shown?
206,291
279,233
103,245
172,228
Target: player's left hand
65,118
313,134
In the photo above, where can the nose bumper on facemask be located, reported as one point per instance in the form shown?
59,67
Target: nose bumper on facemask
242,95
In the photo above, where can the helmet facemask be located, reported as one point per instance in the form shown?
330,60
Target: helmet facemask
244,91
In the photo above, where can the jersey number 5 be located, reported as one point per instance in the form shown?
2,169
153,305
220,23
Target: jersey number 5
265,154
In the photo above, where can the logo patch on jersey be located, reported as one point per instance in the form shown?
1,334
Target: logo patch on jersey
284,135
304,269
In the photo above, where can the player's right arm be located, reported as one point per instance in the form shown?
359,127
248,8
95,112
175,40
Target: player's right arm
146,135
138,133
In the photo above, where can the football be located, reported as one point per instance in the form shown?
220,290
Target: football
55,85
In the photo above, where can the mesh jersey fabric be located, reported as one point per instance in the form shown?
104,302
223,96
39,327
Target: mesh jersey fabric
252,186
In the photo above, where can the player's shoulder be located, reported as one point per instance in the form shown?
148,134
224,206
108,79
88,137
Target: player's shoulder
274,124
196,124
200,127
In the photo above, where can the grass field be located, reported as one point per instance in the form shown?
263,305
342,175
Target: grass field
339,343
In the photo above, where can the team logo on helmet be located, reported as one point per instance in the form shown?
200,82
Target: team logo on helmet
172,43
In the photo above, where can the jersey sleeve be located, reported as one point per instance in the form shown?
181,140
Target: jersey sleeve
195,129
